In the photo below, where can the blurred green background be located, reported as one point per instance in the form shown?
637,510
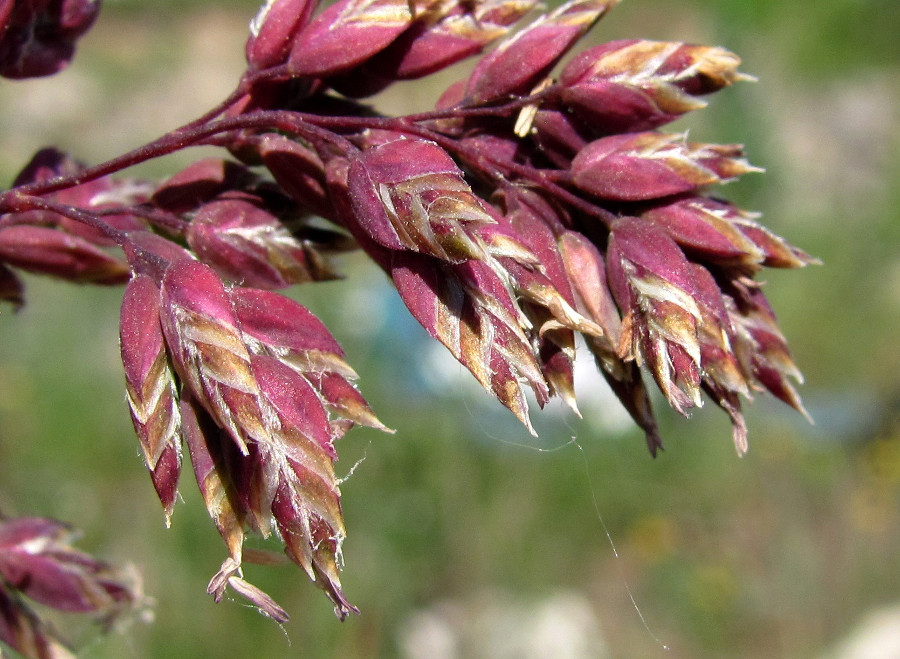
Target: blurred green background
468,538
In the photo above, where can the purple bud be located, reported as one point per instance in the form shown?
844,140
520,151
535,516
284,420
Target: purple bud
38,38
544,293
46,164
100,193
633,85
283,325
452,96
717,334
559,136
760,345
522,60
409,194
307,513
445,34
298,171
636,166
53,252
653,285
499,146
150,254
723,376
706,227
208,351
586,272
536,222
247,244
297,403
471,311
273,30
346,34
724,234
276,326
198,183
151,387
216,462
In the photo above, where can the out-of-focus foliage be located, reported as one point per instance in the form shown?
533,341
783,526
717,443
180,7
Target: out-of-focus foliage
461,521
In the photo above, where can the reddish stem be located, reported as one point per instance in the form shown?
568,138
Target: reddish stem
176,140
322,131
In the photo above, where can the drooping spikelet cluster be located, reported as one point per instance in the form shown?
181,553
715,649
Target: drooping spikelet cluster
39,565
528,207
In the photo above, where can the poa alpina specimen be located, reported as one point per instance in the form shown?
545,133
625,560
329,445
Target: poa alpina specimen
525,209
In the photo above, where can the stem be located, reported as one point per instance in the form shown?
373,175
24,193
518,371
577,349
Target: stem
322,130
243,88
158,218
24,202
168,143
182,138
